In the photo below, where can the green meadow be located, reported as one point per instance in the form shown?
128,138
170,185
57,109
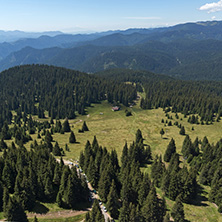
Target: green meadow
114,129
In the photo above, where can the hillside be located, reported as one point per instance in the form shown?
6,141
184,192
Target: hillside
162,146
191,51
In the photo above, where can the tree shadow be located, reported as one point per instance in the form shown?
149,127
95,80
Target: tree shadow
200,197
40,208
165,138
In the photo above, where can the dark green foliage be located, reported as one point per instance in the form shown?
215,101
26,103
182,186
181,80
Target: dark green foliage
65,125
72,138
95,214
182,130
37,176
162,132
126,184
139,136
157,171
200,98
152,209
56,150
59,91
128,113
178,211
3,145
144,189
171,149
14,211
112,201
84,127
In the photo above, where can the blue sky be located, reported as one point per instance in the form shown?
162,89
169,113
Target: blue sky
102,15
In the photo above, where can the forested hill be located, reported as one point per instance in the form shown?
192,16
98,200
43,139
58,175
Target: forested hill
191,51
35,88
188,97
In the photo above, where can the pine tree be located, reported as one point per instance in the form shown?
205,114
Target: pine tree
84,127
144,189
139,136
182,131
56,150
178,211
124,213
151,209
65,125
3,145
35,219
15,212
162,132
112,201
171,149
72,138
5,199
96,213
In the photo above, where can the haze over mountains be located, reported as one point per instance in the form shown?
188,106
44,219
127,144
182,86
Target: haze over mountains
187,51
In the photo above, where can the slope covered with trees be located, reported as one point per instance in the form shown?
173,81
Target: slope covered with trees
34,89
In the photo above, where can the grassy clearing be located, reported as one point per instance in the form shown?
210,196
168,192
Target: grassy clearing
61,219
113,129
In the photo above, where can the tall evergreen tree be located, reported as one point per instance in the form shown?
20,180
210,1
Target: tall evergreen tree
84,127
65,125
56,150
15,212
162,132
151,209
72,138
182,131
178,211
112,201
171,149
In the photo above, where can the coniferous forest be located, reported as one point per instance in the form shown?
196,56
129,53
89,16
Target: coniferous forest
41,100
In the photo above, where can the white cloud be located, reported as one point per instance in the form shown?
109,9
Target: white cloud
212,7
143,18
213,17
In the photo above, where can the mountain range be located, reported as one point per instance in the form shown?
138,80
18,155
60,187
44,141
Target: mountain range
191,51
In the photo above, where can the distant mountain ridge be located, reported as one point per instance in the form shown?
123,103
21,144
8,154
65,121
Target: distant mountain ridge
185,51
11,36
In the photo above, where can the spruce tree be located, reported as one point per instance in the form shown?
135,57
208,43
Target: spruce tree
182,131
162,132
84,127
178,211
151,210
72,138
139,136
96,213
171,149
65,125
144,189
15,212
124,212
112,201
56,150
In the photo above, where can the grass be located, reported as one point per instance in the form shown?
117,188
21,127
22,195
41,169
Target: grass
61,219
113,129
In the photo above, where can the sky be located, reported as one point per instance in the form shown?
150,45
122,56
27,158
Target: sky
72,16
